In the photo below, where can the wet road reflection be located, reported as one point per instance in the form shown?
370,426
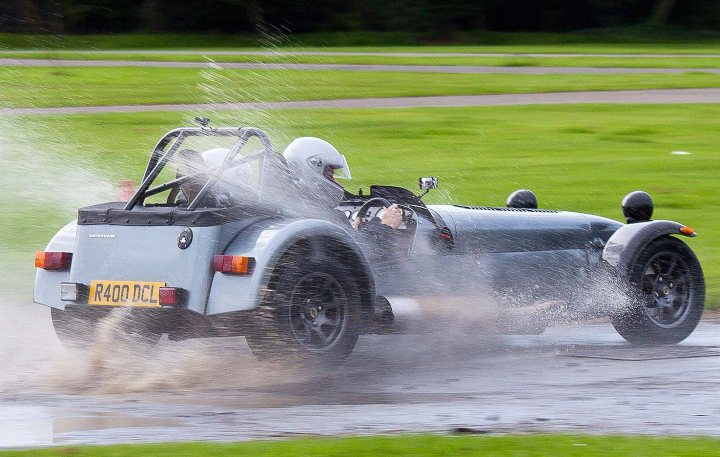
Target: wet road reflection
573,378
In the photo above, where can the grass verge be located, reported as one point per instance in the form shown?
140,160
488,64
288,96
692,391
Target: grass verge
412,445
579,158
49,86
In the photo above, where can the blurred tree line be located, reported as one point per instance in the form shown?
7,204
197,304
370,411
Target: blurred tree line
431,17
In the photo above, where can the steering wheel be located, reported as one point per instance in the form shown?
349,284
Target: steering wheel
371,203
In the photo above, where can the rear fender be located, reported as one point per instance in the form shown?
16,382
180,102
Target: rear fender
266,242
47,282
628,241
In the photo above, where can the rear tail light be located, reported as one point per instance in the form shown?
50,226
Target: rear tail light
53,260
168,296
234,264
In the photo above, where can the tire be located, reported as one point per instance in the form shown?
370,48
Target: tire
667,296
311,310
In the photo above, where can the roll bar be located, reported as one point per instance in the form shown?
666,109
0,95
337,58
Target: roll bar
174,138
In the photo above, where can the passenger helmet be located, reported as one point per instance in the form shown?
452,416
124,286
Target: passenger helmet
316,165
215,157
233,174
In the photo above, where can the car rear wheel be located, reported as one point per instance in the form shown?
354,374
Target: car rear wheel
310,311
668,294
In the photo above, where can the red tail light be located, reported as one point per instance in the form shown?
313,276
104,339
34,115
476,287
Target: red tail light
168,296
53,260
233,264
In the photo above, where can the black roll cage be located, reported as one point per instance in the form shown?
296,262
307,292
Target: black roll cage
158,160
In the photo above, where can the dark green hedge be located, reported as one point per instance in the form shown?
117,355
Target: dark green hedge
438,18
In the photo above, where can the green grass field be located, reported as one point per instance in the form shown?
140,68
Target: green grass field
415,445
51,86
580,158
517,60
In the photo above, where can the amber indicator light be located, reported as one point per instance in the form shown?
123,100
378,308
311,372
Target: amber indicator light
237,264
53,260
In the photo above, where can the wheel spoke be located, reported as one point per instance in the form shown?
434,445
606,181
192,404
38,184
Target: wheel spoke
671,267
324,337
325,287
651,279
648,286
320,320
655,265
308,333
667,288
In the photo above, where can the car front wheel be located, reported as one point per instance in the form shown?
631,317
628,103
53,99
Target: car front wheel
667,296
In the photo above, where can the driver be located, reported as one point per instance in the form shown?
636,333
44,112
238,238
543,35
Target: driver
317,166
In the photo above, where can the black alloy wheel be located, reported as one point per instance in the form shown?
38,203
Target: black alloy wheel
318,312
311,310
668,294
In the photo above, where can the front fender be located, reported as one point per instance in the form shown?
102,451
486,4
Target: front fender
47,282
628,241
266,242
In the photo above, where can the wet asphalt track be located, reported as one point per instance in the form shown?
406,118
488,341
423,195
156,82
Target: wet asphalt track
655,96
650,96
581,379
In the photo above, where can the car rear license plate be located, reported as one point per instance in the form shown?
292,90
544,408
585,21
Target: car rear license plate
125,293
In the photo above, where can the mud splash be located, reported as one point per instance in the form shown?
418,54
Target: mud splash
117,361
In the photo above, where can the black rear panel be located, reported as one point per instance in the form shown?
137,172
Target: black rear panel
113,214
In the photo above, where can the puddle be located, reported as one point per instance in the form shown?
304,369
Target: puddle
23,426
26,426
99,421
636,354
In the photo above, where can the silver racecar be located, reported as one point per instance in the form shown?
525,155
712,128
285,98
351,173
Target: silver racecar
219,240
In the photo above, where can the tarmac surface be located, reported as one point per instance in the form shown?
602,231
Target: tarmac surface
580,379
279,52
465,69
656,96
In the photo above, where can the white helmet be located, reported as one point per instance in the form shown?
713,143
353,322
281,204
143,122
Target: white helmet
215,157
238,174
316,164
